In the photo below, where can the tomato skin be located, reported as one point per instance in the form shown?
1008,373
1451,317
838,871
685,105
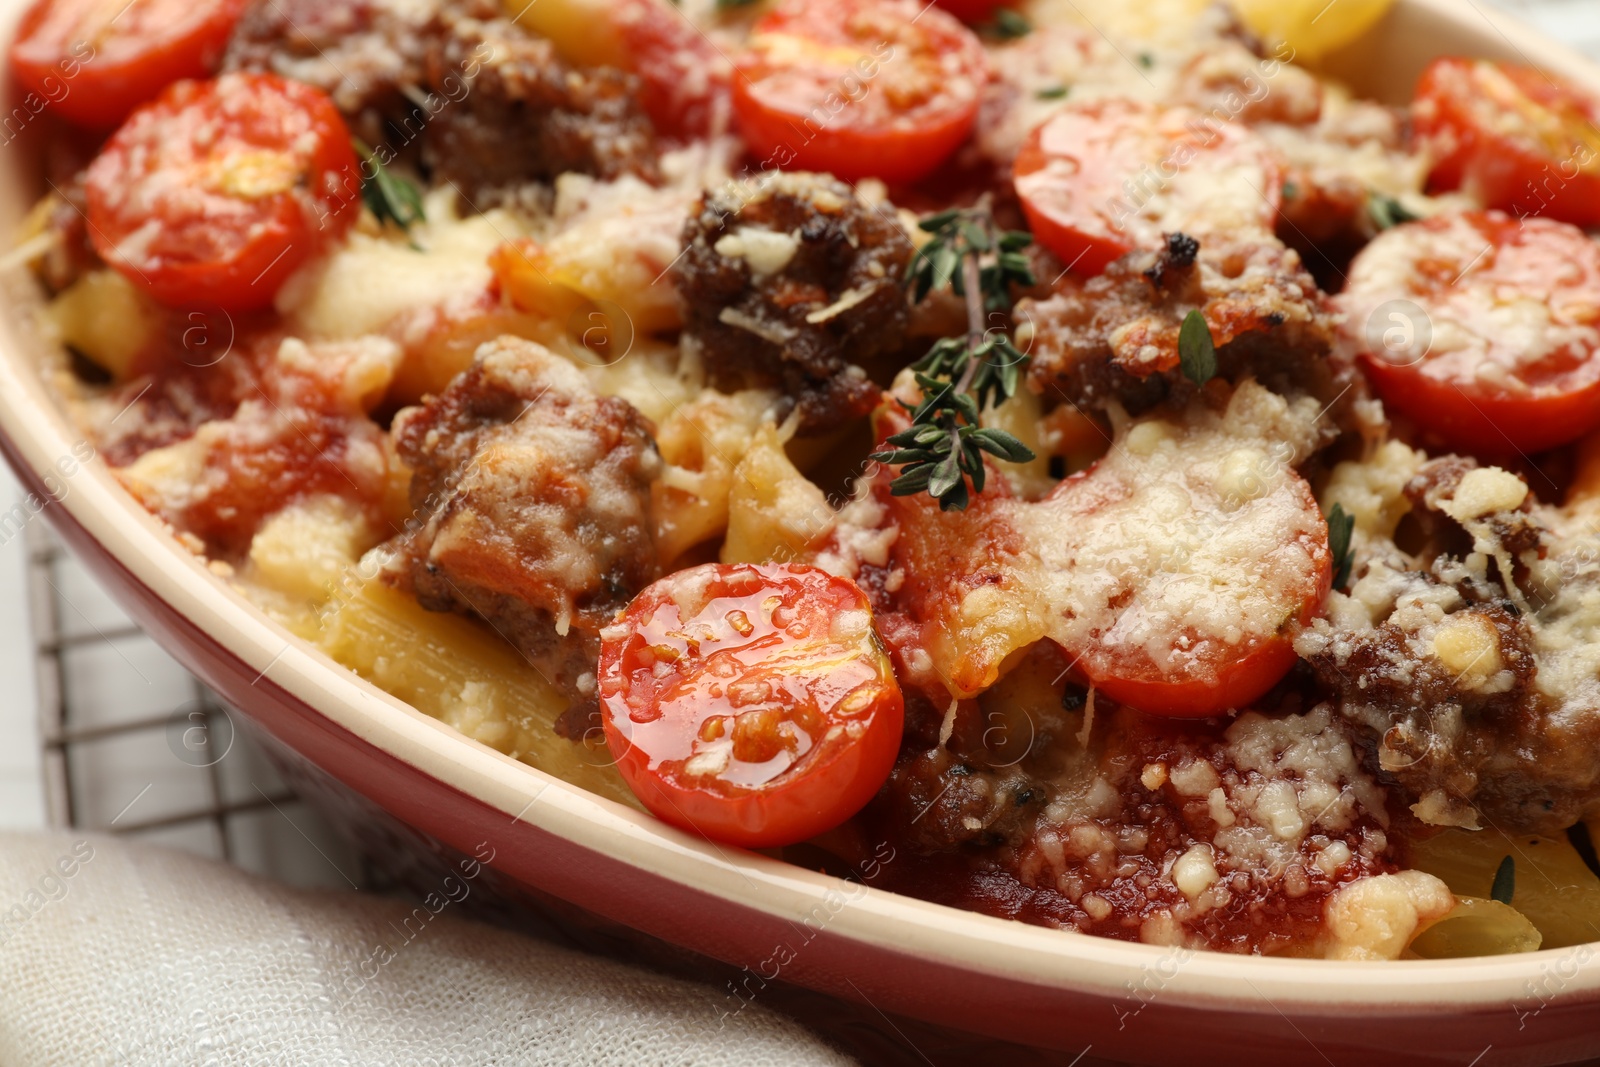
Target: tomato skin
1234,684
971,11
1498,428
1517,139
1200,668
1486,396
217,191
750,703
95,64
857,88
685,78
1100,179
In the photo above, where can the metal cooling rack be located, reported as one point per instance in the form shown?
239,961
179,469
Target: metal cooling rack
134,745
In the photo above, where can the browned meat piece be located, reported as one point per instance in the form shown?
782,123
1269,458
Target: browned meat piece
1114,338
489,104
1470,676
522,114
365,54
532,496
1327,210
791,281
1323,217
1456,743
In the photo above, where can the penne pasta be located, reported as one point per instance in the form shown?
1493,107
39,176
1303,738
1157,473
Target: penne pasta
1476,927
1554,888
459,673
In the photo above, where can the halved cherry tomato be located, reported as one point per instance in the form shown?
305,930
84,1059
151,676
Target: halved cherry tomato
1187,556
685,77
97,60
859,88
1515,138
1481,328
1228,683
1098,180
750,703
216,192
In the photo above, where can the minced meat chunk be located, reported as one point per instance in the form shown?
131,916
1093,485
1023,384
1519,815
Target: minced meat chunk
532,506
365,54
488,104
1228,836
522,114
1114,338
1468,666
791,281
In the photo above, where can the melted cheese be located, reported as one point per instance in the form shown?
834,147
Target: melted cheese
1504,311
1190,536
1374,918
1187,540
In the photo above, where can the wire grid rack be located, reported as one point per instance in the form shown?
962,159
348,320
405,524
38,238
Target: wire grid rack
133,745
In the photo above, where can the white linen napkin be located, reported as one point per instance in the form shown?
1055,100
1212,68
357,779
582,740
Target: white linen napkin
112,953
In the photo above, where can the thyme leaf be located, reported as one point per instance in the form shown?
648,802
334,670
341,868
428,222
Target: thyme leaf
1505,881
1008,25
1386,212
1340,525
1197,353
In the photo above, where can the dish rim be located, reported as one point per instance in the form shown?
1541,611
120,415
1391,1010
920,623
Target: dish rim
40,432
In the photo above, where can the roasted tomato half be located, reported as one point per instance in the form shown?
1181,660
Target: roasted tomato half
1100,179
1515,138
1483,329
96,61
750,703
858,88
219,190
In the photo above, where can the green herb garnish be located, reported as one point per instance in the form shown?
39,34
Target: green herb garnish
1290,190
960,376
1053,92
1197,353
1386,212
1340,525
390,198
1147,60
1008,25
1505,881
730,5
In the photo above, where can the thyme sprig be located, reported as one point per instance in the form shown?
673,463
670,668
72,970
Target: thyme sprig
960,376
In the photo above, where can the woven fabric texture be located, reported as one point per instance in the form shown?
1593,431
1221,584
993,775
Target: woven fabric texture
112,953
